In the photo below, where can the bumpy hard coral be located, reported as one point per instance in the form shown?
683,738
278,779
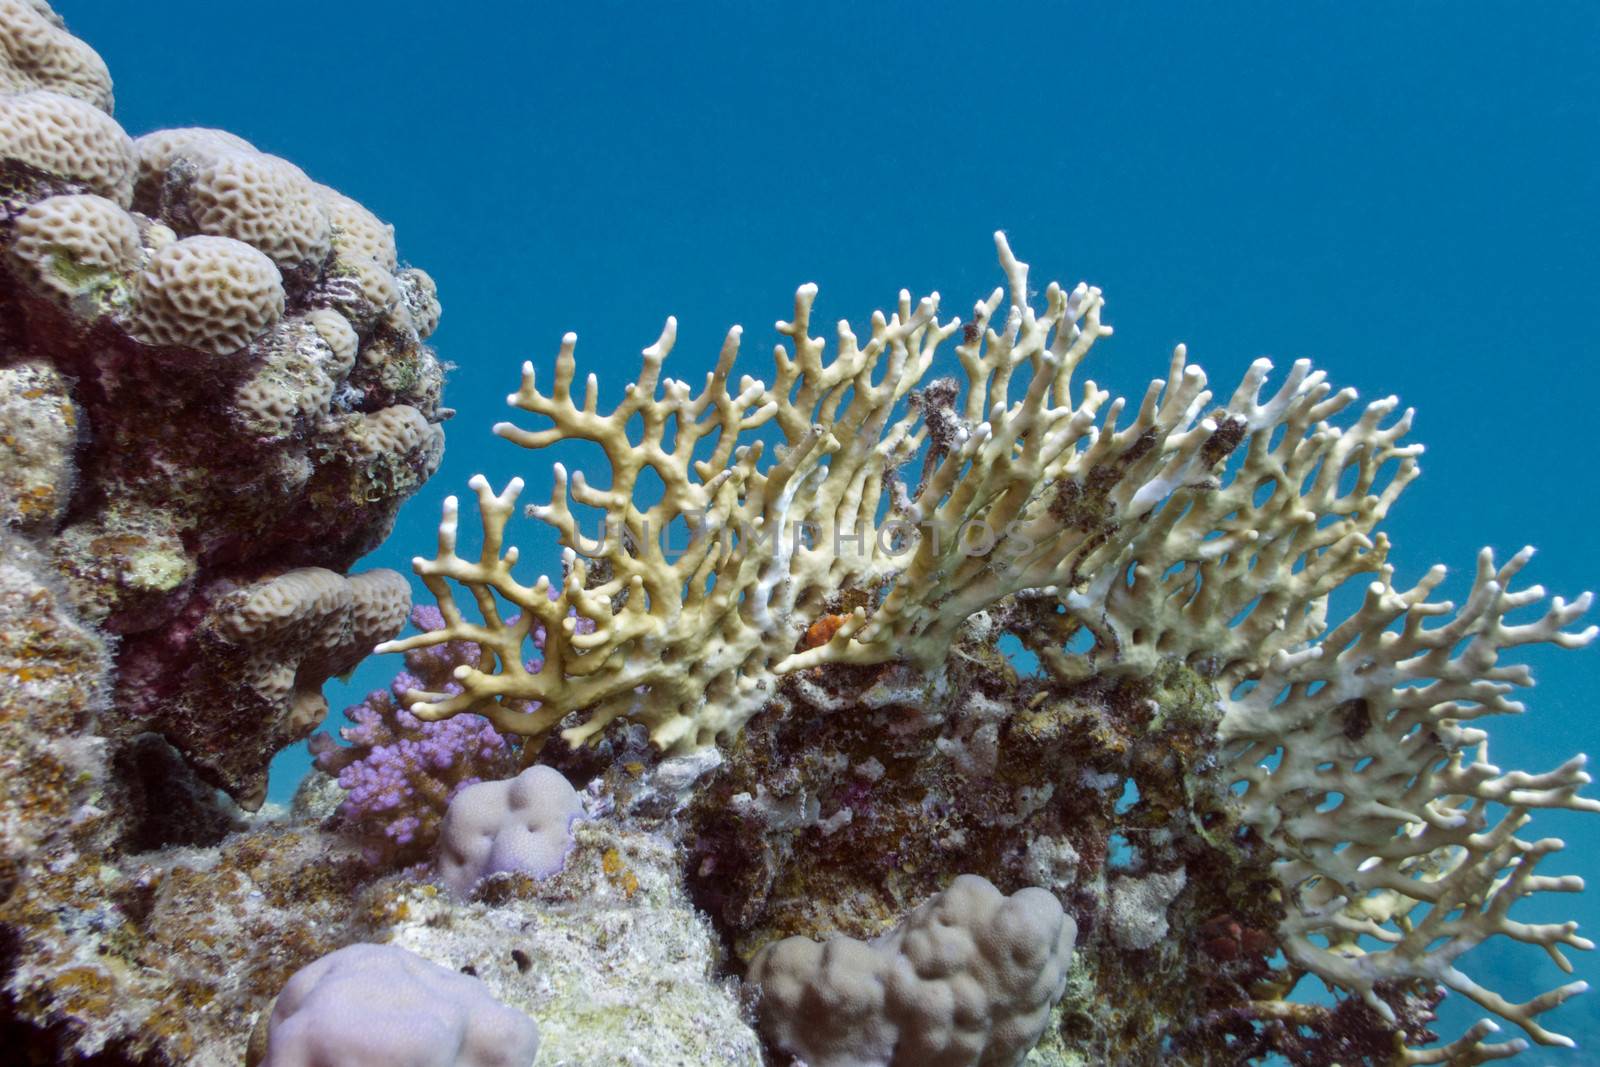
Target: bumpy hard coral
225,381
520,826
83,229
55,134
211,294
1171,574
267,646
36,52
968,979
401,788
378,1005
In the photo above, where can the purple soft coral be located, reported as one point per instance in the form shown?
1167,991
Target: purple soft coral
399,772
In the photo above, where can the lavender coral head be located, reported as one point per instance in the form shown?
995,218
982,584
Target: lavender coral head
370,1005
522,826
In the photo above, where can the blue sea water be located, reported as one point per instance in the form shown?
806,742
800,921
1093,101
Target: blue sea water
1406,193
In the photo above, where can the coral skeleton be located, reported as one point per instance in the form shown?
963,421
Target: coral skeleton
895,510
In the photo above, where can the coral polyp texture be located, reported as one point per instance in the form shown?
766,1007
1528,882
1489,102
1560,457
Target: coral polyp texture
400,773
214,377
1169,562
968,978
215,394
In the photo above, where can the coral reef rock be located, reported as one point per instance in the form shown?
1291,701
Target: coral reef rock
609,956
215,394
212,373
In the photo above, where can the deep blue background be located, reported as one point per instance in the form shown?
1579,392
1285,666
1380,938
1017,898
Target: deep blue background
1405,193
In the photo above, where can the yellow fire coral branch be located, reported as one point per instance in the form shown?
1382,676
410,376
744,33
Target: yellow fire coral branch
1135,529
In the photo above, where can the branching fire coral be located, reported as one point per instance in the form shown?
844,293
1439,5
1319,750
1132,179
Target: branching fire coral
1378,805
1202,537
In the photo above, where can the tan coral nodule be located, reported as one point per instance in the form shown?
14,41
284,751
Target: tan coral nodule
159,150
64,242
395,431
36,52
358,233
64,136
264,201
340,337
421,298
212,294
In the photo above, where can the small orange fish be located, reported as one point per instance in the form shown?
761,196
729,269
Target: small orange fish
822,631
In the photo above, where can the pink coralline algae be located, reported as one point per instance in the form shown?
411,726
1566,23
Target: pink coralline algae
399,772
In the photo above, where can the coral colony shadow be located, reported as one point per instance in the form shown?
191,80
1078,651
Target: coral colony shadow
755,779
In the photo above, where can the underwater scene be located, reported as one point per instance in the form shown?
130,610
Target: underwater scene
772,535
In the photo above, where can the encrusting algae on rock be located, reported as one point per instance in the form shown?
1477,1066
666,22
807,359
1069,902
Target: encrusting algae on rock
782,793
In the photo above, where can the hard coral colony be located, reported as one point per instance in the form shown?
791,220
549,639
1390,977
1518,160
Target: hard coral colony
824,818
